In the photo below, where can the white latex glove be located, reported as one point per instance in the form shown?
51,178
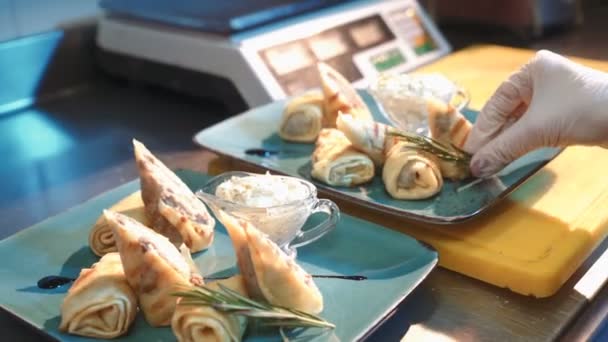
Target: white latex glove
551,101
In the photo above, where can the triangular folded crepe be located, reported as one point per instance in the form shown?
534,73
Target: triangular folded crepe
268,272
446,123
173,209
340,96
450,127
154,267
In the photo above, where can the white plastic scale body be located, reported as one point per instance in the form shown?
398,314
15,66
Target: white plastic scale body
360,39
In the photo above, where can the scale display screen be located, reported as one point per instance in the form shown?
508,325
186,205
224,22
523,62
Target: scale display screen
367,34
289,58
388,59
410,27
293,64
393,37
328,45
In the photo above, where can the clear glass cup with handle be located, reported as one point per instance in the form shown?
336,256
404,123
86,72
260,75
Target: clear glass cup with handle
402,98
281,223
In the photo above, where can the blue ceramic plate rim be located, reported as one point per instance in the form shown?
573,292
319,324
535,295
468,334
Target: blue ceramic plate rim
129,187
547,154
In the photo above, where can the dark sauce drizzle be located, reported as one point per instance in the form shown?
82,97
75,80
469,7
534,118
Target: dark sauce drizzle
52,282
261,152
352,277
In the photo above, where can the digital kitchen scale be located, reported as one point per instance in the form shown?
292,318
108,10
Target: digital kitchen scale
249,53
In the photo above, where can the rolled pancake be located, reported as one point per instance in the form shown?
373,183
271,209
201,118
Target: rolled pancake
101,238
447,124
336,162
268,272
193,323
100,303
411,173
367,136
172,208
153,265
450,127
339,96
454,171
302,118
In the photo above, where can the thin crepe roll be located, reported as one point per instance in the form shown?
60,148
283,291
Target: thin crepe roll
411,174
172,208
101,238
367,136
447,124
450,127
268,272
153,265
302,118
193,323
100,303
340,96
336,162
454,171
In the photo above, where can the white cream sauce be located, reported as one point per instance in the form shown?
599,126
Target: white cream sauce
280,223
262,191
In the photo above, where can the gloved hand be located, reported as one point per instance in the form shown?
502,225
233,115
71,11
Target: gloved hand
550,101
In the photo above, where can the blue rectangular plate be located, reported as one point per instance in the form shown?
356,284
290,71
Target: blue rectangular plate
457,201
394,263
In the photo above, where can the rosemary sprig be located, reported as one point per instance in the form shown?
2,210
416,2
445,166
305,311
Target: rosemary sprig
230,301
449,153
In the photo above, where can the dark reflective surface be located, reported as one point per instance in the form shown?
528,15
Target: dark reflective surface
75,137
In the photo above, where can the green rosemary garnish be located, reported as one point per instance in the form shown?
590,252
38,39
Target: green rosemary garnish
449,153
231,301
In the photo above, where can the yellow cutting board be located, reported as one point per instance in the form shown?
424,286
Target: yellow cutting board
534,240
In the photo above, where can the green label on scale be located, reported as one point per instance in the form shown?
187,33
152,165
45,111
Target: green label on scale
425,47
388,60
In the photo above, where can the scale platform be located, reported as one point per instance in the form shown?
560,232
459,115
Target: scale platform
227,17
249,53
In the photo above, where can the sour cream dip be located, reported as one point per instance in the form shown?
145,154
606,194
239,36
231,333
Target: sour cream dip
262,191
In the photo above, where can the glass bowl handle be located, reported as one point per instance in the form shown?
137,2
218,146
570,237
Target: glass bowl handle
312,234
461,98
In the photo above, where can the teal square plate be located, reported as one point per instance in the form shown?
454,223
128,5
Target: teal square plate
393,263
252,137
